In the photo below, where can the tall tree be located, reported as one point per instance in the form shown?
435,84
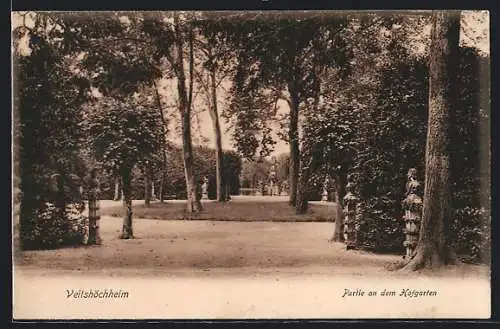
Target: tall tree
217,63
185,107
164,150
48,98
434,246
358,114
112,55
290,50
391,131
173,37
124,133
147,170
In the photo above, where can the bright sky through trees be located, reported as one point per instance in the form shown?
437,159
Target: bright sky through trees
475,32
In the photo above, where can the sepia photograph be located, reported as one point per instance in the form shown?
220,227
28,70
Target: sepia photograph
242,165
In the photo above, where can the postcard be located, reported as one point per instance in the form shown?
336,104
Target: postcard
251,165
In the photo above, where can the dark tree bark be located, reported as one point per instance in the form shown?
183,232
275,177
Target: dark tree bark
434,248
193,202
127,231
163,179
27,156
219,160
302,195
28,195
338,233
302,199
147,186
293,136
59,197
164,152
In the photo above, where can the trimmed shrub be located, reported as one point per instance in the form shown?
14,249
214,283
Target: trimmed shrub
471,227
50,229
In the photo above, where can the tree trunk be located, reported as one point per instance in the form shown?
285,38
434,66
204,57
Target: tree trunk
93,206
28,199
164,153
293,136
219,159
302,199
28,204
117,195
127,232
59,198
338,233
302,195
147,191
434,248
193,203
147,187
228,192
26,120
162,185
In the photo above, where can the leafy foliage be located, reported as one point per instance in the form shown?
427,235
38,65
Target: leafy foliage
203,166
280,58
249,113
472,233
254,171
50,230
123,133
374,127
395,141
359,81
48,99
175,183
470,163
112,49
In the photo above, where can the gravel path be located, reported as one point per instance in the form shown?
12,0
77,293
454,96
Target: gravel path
213,269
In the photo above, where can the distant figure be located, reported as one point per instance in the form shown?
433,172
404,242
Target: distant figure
204,189
324,195
153,195
272,179
284,188
412,185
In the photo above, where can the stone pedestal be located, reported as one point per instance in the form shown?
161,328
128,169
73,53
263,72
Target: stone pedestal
412,206
270,189
94,236
204,189
276,190
153,195
352,211
324,196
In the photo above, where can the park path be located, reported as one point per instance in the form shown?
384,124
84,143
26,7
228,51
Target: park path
212,269
179,246
183,247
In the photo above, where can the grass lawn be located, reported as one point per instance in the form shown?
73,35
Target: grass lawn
244,209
